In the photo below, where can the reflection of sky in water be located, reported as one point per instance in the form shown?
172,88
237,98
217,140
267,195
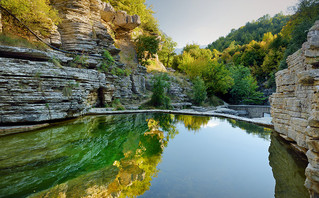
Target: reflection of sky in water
212,123
217,161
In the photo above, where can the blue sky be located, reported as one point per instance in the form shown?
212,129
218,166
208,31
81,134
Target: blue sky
204,21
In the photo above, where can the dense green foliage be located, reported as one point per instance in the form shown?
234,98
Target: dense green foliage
216,72
37,14
160,85
245,87
167,50
199,91
251,31
295,32
146,47
265,55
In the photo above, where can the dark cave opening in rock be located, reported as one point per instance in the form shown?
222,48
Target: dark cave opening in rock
100,98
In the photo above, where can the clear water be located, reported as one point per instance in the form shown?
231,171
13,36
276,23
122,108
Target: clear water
150,155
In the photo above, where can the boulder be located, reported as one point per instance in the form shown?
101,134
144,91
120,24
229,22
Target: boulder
108,12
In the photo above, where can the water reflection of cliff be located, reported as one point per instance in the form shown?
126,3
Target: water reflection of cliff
288,169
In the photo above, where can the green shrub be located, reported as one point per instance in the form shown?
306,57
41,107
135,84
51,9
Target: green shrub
37,14
108,57
11,40
244,90
160,85
117,105
79,62
215,101
146,48
199,91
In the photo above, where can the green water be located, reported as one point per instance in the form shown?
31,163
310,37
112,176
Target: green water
150,155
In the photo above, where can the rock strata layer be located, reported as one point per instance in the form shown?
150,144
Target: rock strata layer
33,89
84,29
295,105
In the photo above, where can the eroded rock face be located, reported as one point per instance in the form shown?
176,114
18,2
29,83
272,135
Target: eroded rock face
83,25
81,28
34,91
295,105
123,23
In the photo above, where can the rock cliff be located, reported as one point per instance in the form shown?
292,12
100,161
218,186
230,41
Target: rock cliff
85,25
39,86
295,105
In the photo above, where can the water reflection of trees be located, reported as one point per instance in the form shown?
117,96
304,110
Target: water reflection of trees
261,132
193,123
113,156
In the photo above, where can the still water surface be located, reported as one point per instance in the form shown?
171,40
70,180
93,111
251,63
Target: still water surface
150,155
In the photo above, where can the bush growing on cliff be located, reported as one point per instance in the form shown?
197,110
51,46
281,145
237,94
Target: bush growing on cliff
160,85
146,48
37,14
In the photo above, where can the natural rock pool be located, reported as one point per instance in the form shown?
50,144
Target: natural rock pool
150,155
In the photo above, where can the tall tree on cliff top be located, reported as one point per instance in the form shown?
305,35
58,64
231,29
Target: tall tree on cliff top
167,50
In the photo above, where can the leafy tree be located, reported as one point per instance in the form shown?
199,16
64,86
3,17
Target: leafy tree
160,86
199,91
167,50
244,89
146,47
217,78
251,31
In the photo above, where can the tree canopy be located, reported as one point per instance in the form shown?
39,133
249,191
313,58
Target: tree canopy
254,30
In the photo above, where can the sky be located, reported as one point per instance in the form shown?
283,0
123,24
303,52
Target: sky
204,21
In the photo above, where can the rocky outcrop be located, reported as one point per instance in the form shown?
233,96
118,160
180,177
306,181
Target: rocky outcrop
295,105
34,91
83,27
123,23
37,86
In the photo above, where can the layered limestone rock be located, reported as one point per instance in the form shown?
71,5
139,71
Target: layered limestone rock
83,27
34,91
123,23
295,105
34,88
